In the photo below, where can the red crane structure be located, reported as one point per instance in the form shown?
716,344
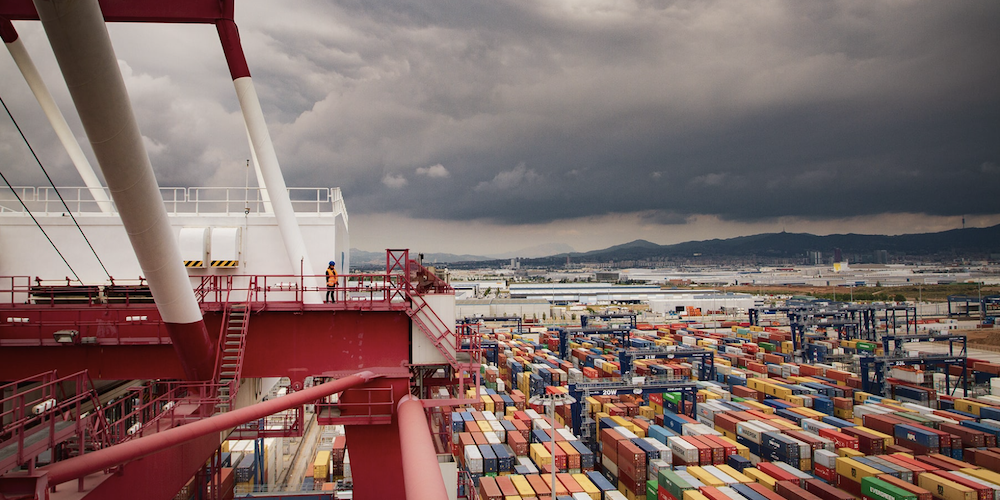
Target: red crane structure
198,340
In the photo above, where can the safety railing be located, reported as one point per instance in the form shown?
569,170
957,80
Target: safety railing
157,406
25,290
44,410
369,405
177,200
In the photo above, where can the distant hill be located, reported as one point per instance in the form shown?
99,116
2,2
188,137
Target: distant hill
965,243
968,242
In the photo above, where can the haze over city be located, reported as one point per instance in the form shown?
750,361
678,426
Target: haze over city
490,127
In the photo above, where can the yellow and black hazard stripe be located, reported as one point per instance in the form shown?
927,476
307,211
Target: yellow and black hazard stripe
225,263
194,263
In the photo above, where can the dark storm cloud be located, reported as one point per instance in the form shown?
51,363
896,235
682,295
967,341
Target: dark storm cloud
558,110
541,111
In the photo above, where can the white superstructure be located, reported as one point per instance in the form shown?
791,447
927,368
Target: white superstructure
212,224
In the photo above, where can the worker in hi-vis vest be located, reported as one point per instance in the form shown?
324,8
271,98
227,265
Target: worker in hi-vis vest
331,282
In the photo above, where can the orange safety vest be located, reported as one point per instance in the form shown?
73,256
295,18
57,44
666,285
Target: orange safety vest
331,277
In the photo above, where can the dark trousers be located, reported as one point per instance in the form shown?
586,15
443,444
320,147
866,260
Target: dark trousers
331,294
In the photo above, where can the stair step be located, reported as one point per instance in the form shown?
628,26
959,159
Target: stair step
227,351
229,365
230,358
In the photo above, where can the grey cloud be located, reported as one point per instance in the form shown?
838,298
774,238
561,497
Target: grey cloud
541,111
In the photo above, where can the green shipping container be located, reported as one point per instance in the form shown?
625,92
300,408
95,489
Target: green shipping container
866,346
651,489
877,489
673,483
673,397
737,399
766,346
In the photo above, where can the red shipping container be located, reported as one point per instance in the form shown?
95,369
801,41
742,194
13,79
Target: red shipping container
726,422
713,493
488,489
540,485
955,464
704,450
912,465
631,484
826,491
506,486
567,481
984,458
762,490
776,472
984,492
792,491
825,473
846,484
971,438
729,447
868,443
517,443
840,440
809,370
718,450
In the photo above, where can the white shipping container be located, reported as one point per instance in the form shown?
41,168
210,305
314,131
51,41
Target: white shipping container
687,452
826,458
731,493
566,434
718,474
750,430
802,476
614,495
492,438
609,465
499,430
687,477
655,466
626,433
813,426
473,459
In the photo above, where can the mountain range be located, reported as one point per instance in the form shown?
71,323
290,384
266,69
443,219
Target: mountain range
967,243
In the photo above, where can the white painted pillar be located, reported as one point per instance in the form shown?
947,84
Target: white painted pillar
55,116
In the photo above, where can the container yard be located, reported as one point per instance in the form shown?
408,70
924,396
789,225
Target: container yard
691,411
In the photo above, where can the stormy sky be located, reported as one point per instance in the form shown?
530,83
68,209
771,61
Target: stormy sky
489,126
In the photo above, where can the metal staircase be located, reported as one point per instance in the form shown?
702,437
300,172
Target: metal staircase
233,342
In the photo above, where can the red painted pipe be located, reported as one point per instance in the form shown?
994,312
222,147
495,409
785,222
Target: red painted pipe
89,463
421,472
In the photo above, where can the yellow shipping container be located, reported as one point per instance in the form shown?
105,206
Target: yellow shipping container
760,477
767,410
844,413
539,454
321,466
794,399
735,474
984,474
523,486
943,488
854,470
593,404
705,477
787,347
849,453
860,397
588,486
647,412
692,495
889,440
